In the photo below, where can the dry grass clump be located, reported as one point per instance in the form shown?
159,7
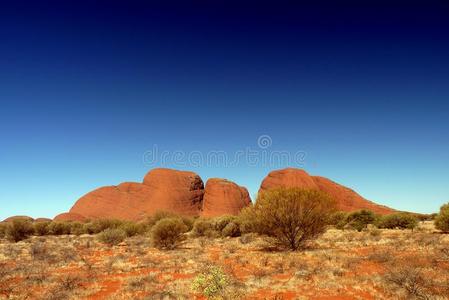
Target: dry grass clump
168,233
112,236
416,279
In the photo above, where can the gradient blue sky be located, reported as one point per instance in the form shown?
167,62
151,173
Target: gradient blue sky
86,87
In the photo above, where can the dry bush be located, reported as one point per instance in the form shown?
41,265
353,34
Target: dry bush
442,219
247,238
290,217
41,228
338,219
232,229
59,228
18,230
132,229
3,227
159,215
39,251
77,228
398,220
100,225
168,233
204,227
112,236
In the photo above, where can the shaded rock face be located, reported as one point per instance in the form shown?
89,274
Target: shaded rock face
223,197
346,199
70,217
42,220
162,189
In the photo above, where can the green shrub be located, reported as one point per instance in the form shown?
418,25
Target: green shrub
246,220
41,228
2,230
188,221
339,219
159,215
168,233
204,227
100,225
112,236
231,230
291,217
18,230
132,229
398,220
59,228
442,219
77,228
212,283
359,220
221,222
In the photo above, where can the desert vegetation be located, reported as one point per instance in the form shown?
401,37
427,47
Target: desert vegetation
290,245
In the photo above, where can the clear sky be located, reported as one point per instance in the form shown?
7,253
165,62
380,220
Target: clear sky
361,88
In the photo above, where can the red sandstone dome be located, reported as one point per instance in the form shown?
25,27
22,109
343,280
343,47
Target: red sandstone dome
223,197
347,199
162,189
183,192
25,218
70,217
42,220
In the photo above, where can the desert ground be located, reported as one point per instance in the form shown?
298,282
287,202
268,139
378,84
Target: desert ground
341,264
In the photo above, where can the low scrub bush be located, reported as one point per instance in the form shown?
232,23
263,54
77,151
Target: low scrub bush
232,229
77,228
41,228
100,225
132,229
159,215
204,227
59,228
399,220
442,219
360,220
19,230
227,226
168,233
2,230
221,222
211,283
112,236
339,219
290,217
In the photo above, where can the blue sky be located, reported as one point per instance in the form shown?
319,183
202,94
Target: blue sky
87,88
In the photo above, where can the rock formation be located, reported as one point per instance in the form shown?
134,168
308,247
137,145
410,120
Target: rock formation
347,199
25,218
162,189
70,217
224,197
183,192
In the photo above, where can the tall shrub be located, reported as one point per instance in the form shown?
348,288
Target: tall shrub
291,217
